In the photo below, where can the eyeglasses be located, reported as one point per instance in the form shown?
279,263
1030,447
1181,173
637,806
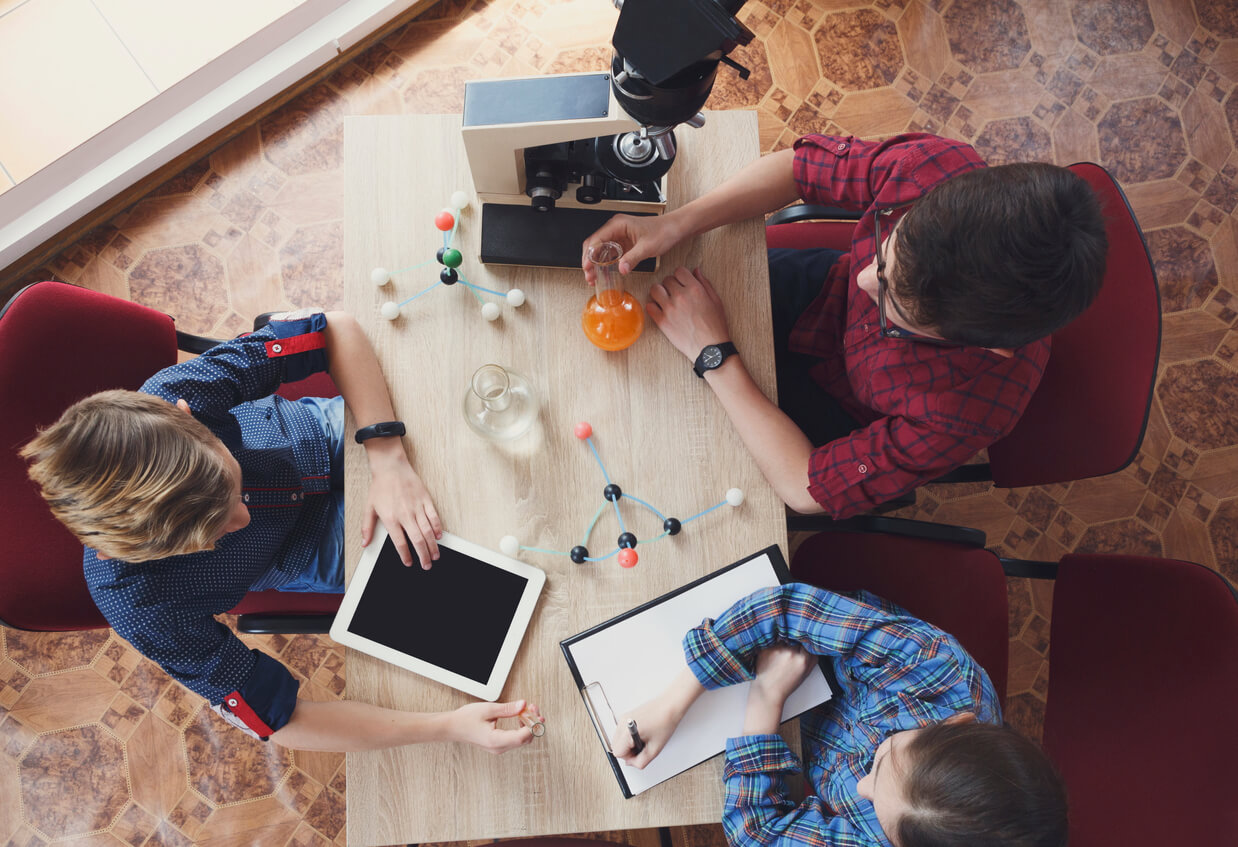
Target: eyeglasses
883,294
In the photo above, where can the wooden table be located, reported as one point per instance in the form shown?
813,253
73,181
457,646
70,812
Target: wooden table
659,429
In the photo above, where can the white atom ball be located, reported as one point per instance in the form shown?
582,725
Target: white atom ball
509,545
515,297
490,311
735,496
390,310
380,276
459,199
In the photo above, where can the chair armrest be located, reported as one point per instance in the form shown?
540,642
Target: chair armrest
197,344
981,472
905,527
811,212
260,624
1029,568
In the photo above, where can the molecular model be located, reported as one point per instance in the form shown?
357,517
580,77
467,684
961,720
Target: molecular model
579,554
447,221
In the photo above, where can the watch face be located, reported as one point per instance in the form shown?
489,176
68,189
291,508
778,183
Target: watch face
711,357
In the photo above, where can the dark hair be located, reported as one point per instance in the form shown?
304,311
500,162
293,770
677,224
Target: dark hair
974,785
1002,256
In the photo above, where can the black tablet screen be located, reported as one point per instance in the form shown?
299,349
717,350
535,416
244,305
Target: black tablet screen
455,615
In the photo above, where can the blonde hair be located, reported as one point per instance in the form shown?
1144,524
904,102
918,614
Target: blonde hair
133,476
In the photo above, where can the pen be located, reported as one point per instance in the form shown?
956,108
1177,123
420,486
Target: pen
637,744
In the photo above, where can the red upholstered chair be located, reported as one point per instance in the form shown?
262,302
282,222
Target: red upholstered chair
1088,416
58,344
957,587
1143,672
1143,678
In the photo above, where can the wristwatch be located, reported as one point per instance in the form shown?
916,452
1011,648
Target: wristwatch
386,429
712,356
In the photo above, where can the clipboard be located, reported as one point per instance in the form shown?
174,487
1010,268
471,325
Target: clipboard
625,661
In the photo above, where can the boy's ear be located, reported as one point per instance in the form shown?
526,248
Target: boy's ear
183,406
101,557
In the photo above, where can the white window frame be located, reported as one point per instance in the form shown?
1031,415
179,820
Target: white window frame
185,115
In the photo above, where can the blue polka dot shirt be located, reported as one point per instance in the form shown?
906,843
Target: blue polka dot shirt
166,609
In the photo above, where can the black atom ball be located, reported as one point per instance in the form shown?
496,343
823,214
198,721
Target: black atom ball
439,255
578,554
627,540
672,526
448,276
612,492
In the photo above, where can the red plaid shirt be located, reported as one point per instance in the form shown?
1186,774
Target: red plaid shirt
925,410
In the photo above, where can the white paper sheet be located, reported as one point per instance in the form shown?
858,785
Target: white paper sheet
634,660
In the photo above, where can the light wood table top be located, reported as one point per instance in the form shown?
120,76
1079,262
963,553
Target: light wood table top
659,429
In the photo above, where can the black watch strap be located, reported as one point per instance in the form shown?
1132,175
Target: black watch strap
720,351
386,429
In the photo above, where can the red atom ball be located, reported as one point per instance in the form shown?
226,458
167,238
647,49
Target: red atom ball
583,430
444,221
627,558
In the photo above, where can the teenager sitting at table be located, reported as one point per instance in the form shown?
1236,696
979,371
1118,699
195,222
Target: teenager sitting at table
206,485
903,357
910,751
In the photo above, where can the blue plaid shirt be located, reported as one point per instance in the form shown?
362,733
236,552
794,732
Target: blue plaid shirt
894,672
166,609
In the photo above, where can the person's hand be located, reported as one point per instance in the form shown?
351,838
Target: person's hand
640,237
780,670
689,311
477,723
402,502
656,720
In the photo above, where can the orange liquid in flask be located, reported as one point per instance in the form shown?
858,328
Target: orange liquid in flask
613,319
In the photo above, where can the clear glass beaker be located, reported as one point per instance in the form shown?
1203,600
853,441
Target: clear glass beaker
613,318
500,404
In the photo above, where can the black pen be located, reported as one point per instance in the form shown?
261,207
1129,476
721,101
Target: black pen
637,744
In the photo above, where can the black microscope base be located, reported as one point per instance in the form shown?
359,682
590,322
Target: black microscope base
521,235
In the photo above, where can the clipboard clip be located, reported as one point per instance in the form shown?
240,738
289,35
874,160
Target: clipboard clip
595,701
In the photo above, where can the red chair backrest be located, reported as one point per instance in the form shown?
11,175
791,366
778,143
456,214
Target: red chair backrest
836,235
1088,415
959,589
1143,678
58,344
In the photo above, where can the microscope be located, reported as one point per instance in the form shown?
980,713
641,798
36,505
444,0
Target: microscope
553,157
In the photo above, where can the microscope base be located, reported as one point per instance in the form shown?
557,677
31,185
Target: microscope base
521,235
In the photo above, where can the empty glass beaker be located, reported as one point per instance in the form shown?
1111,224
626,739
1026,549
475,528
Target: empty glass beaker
500,404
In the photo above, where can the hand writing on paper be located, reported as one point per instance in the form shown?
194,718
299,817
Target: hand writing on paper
656,721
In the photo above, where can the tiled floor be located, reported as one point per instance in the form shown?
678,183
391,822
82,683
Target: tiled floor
97,746
133,49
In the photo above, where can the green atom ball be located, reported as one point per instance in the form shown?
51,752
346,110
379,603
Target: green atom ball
452,257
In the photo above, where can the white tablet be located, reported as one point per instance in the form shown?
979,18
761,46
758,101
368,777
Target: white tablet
458,623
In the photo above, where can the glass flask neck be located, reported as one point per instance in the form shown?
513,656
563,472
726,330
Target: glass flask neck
493,387
605,256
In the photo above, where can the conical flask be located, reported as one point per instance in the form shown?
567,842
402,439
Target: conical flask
613,318
500,404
